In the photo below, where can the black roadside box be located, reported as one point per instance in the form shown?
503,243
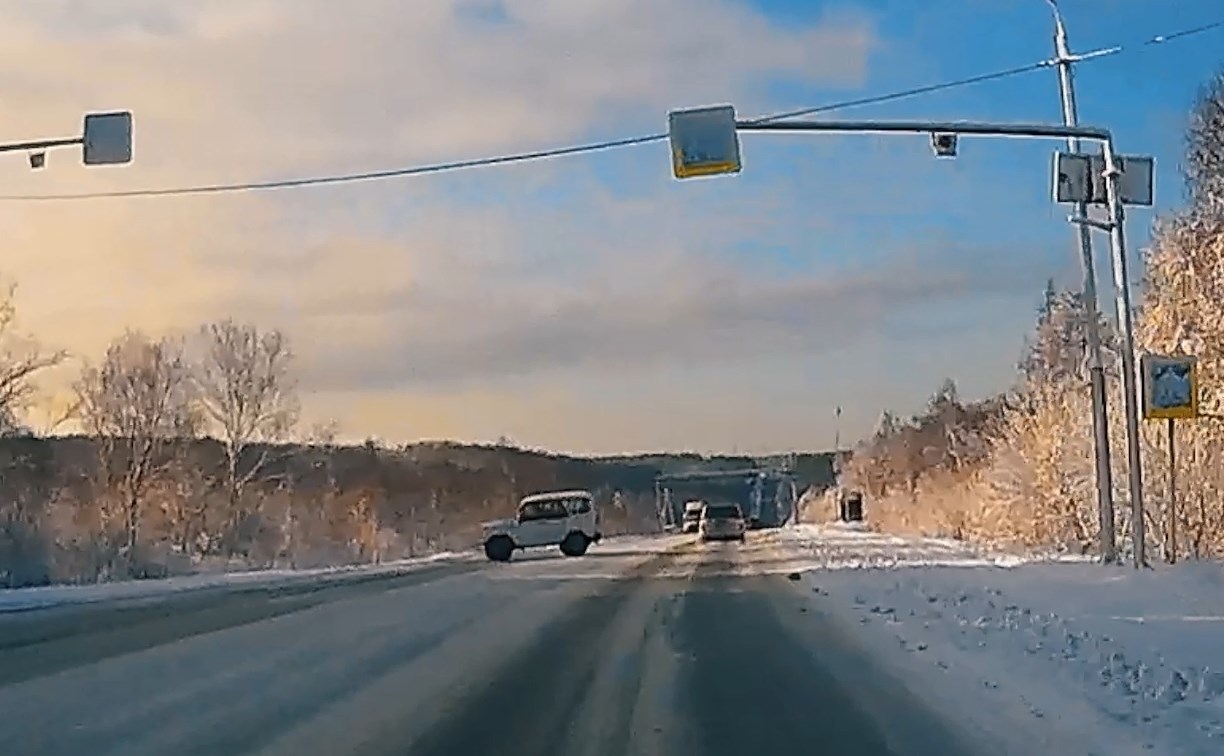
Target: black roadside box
850,506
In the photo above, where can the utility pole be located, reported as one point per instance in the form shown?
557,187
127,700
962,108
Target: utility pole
1092,334
837,444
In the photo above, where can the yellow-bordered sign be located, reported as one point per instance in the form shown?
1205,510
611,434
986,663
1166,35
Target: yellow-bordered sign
704,142
1170,387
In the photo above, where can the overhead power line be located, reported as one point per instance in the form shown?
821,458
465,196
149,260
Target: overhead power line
578,149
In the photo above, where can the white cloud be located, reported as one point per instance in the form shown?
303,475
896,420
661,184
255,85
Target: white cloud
625,313
230,87
394,291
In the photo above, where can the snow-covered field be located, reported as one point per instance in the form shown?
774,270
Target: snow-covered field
1102,659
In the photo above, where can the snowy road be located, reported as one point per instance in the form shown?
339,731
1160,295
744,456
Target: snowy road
803,640
645,647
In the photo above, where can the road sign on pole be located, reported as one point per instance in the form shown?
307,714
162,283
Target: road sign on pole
107,139
1081,178
704,142
1170,393
1170,387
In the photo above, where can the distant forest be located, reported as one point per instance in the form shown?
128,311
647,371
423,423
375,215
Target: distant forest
308,504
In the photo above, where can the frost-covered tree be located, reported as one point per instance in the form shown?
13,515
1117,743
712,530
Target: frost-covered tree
138,404
1204,163
1041,472
21,358
945,399
887,425
1016,467
245,386
1057,349
1040,477
1183,313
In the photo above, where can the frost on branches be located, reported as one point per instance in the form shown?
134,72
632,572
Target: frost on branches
1183,313
1040,484
1013,469
21,359
1035,485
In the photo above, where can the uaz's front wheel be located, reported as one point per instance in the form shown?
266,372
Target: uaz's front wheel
575,544
499,548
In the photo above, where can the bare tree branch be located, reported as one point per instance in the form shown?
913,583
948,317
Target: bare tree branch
138,403
20,360
247,393
1204,165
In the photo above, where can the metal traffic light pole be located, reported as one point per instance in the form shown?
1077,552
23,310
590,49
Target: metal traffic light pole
704,142
1092,333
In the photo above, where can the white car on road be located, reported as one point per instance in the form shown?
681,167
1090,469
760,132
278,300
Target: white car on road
568,519
722,522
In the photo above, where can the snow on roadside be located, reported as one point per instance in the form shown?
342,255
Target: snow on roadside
321,679
852,546
23,599
1113,658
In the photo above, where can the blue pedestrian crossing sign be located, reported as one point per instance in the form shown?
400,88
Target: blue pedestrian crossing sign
703,142
1170,387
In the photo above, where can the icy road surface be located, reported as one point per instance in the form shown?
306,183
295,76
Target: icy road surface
645,646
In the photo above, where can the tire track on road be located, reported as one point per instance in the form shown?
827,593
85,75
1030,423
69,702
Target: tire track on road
530,705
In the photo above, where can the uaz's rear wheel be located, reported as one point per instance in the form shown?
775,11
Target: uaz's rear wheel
575,544
499,548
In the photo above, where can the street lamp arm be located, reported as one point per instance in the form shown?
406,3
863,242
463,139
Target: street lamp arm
41,144
1030,130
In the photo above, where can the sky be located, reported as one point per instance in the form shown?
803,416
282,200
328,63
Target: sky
589,304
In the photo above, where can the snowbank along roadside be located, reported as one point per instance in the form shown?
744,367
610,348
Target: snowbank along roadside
24,599
1043,653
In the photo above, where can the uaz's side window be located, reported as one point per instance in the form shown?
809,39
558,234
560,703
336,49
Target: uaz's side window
582,506
543,510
